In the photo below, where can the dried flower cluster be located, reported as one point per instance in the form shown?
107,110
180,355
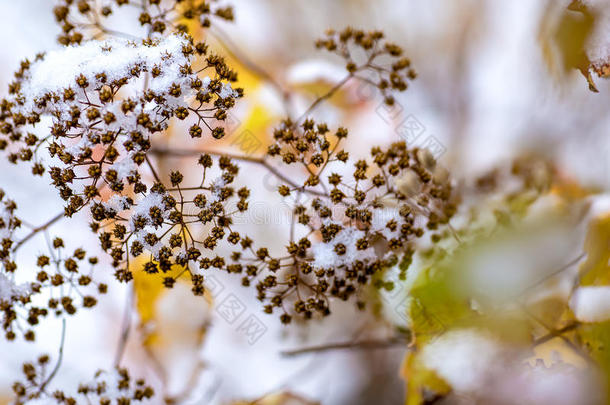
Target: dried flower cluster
115,387
106,101
8,224
168,227
91,117
100,137
354,227
82,19
350,43
64,281
102,120
12,295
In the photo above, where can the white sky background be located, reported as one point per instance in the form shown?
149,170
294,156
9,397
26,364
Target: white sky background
496,101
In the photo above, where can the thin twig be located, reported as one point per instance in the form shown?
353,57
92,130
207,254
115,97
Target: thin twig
59,357
552,274
39,229
45,226
567,341
196,372
363,344
251,159
555,333
454,233
152,169
192,152
324,97
125,327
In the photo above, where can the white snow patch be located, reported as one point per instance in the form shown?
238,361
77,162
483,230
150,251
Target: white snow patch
462,358
591,304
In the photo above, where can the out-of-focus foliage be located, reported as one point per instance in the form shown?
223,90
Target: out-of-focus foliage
493,312
564,38
595,271
570,39
490,287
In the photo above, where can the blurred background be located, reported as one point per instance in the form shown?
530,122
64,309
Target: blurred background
491,86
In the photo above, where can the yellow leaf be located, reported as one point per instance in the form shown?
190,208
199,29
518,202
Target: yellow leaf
258,120
596,338
341,99
436,305
418,378
596,269
557,346
563,40
248,77
253,135
148,289
568,188
173,324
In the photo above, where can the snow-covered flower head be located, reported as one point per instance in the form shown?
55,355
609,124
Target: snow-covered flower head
105,100
364,217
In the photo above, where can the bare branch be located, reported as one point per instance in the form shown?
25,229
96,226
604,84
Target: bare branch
40,228
59,357
250,159
360,345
